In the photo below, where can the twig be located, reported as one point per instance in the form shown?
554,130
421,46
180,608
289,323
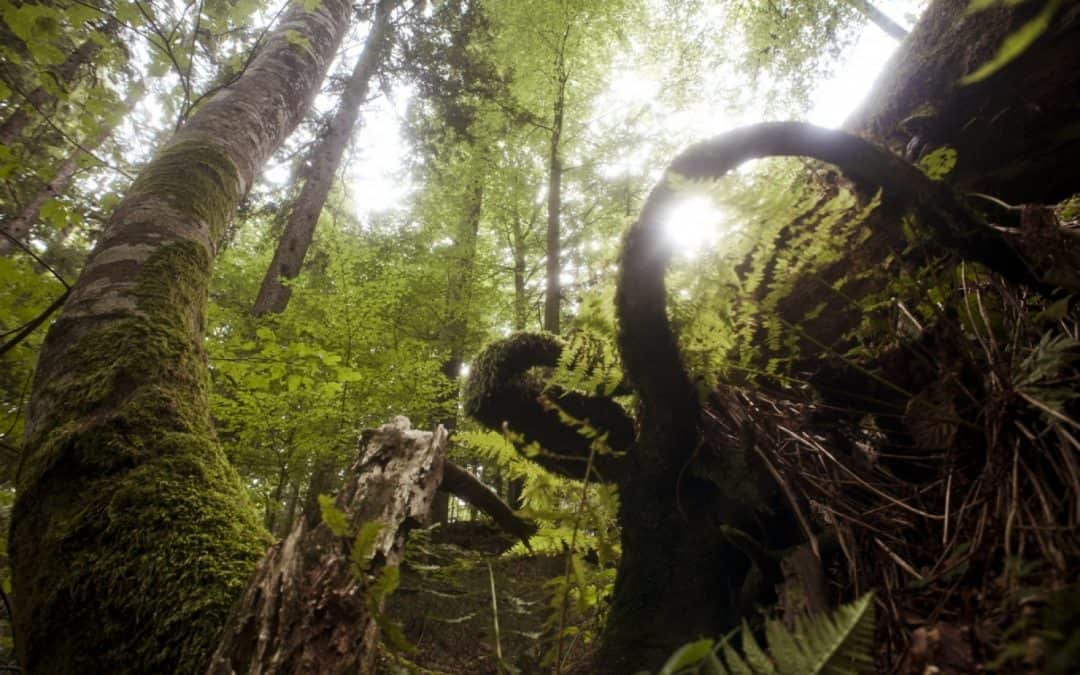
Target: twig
859,479
30,326
1048,410
495,617
904,565
48,120
26,249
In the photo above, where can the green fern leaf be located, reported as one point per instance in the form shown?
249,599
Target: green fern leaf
839,644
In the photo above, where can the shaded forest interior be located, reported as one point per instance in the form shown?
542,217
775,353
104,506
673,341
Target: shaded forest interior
474,336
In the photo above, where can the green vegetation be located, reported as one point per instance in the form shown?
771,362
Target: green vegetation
778,392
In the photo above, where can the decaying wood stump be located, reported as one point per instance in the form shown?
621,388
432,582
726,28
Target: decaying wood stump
311,606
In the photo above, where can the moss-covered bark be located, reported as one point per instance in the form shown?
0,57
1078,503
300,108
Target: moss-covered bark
131,534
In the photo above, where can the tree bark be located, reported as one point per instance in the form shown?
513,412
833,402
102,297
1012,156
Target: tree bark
39,98
325,160
553,295
458,297
131,533
19,225
879,18
315,604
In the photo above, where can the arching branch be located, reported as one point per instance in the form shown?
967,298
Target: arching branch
647,344
501,389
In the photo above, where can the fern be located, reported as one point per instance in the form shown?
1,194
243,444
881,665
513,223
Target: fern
839,644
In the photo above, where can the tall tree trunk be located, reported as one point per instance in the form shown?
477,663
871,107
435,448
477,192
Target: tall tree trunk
325,160
879,18
553,295
516,486
19,225
131,534
315,604
284,525
39,98
458,297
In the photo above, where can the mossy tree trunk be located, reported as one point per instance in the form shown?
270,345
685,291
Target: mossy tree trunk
131,534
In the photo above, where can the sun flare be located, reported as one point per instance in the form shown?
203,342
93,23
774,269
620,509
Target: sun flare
694,224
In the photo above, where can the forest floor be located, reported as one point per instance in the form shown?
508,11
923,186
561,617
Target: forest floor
444,605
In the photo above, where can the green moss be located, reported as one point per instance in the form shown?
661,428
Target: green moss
129,518
504,361
195,178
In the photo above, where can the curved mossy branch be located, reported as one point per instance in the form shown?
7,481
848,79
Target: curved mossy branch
647,344
501,389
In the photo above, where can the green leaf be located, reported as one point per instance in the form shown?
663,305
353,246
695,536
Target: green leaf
363,547
80,14
1056,311
292,383
686,656
1015,44
333,517
386,583
53,212
45,53
839,644
939,163
128,12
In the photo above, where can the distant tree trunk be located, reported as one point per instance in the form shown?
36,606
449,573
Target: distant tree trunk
19,225
879,18
553,295
325,160
516,486
458,298
519,235
324,476
39,98
313,607
284,524
131,534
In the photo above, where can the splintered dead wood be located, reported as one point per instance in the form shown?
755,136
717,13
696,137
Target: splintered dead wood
314,604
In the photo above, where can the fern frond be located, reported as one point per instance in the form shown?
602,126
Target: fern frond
838,644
